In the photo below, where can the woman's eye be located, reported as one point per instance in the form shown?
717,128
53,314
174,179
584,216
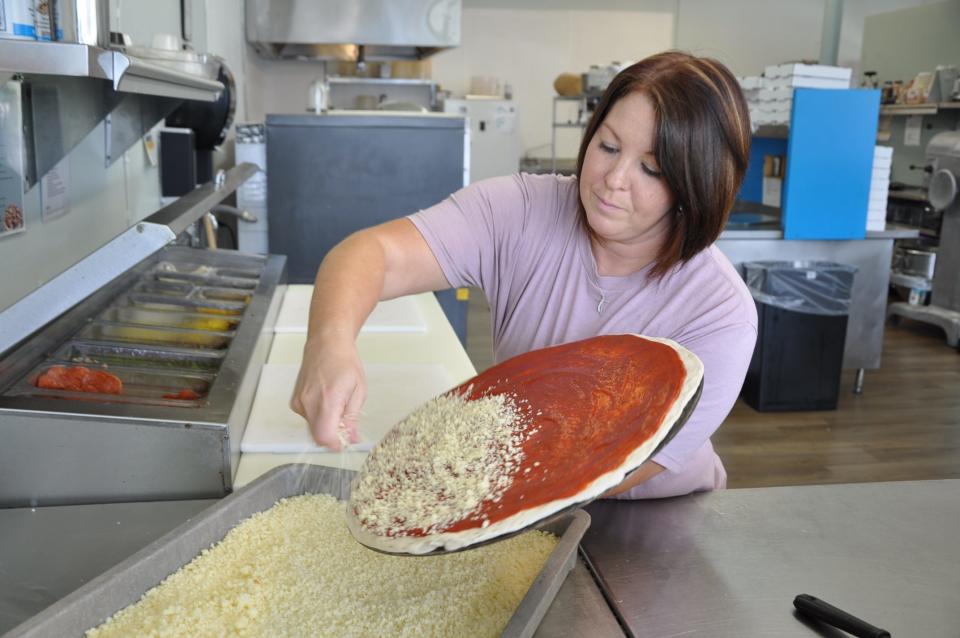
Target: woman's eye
649,171
606,148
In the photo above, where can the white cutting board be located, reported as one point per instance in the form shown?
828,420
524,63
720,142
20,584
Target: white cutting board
395,315
393,391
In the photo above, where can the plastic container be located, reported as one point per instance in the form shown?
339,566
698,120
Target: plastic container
914,289
802,310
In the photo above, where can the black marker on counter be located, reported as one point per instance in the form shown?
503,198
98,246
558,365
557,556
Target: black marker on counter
827,613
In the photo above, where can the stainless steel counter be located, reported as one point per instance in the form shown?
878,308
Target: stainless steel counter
891,232
48,552
728,564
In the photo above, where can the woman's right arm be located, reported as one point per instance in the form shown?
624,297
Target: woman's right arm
382,262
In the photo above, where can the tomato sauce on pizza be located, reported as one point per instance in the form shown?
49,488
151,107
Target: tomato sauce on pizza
587,404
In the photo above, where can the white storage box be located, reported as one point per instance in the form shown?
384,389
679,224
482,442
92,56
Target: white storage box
809,70
807,82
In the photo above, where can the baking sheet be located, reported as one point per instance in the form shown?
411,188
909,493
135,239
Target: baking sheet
124,584
393,391
395,315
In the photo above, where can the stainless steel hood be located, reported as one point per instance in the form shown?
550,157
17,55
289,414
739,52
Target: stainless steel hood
335,30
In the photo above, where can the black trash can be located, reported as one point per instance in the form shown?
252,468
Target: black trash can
802,309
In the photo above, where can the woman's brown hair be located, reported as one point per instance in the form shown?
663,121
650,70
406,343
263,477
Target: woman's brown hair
702,144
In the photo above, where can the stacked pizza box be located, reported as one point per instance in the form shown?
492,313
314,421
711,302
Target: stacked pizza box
751,86
807,76
770,97
879,187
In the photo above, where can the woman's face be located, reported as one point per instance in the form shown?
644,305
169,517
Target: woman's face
626,199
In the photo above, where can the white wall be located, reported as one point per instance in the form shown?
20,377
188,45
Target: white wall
855,13
900,44
747,35
529,48
142,20
529,42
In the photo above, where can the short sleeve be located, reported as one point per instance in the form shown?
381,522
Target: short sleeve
725,354
478,233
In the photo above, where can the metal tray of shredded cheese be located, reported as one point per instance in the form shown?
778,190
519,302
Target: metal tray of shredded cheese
124,584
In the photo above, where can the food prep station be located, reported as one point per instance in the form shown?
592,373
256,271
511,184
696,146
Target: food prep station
724,564
184,330
106,535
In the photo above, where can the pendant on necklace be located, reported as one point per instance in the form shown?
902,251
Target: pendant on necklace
600,305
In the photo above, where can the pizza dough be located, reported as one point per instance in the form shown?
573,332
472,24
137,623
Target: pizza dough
533,436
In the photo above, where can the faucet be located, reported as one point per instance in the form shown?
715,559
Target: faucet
242,215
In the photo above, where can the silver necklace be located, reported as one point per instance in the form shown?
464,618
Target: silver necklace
603,295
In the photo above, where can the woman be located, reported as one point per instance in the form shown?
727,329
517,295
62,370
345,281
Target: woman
625,247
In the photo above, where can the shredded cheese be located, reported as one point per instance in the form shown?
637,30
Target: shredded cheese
440,465
294,570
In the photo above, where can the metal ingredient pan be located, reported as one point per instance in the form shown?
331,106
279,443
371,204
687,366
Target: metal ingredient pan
144,356
140,385
125,583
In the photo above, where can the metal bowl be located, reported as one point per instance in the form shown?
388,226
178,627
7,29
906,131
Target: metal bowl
917,261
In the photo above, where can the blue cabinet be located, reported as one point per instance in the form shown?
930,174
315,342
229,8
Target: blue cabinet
829,159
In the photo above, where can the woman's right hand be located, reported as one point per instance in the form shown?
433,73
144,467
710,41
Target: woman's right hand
330,392
331,386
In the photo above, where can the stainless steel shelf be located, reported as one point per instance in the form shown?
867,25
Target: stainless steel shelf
127,73
918,109
54,58
554,124
914,195
403,81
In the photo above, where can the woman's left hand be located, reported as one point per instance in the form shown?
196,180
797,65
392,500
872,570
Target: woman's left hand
644,473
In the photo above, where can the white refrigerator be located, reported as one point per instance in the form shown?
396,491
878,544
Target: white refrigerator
493,135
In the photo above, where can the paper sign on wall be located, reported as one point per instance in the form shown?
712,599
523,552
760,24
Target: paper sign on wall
911,130
505,120
55,191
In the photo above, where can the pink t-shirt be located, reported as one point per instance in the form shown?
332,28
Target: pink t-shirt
519,240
